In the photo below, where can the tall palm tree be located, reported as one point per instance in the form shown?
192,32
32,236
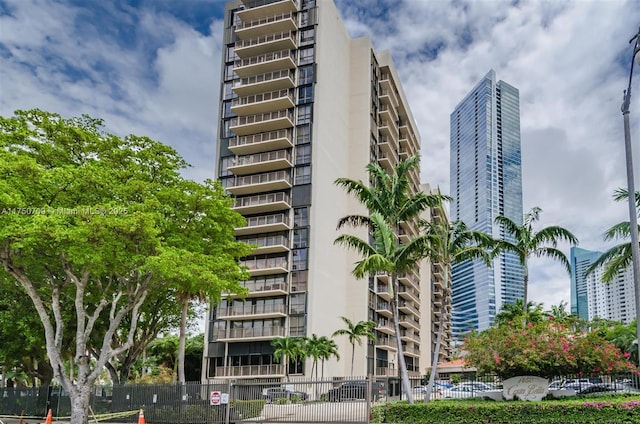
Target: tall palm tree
389,200
289,349
618,257
355,332
327,350
527,243
449,243
313,348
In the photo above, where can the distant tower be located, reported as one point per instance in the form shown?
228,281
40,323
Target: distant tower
486,181
581,259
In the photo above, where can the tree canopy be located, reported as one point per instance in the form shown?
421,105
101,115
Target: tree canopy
93,222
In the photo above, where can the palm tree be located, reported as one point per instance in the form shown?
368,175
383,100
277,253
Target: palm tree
288,348
527,243
515,311
313,349
449,243
355,332
618,257
390,202
327,350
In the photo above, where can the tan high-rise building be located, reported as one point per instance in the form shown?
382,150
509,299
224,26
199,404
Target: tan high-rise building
302,104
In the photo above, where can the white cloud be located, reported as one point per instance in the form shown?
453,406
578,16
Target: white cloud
146,71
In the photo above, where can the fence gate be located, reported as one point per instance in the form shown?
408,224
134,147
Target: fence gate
325,401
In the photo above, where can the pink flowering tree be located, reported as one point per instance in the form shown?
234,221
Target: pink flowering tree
545,349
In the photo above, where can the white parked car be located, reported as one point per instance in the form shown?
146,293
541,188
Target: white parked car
460,392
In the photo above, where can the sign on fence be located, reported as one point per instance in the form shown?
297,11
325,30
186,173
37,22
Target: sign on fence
215,398
525,387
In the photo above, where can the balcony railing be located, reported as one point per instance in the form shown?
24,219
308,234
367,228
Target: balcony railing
261,286
247,370
408,306
280,99
262,203
269,244
253,310
264,263
259,142
270,81
255,22
260,158
284,59
267,181
387,341
262,44
268,121
279,221
245,333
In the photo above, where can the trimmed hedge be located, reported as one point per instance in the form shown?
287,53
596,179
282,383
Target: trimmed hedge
582,411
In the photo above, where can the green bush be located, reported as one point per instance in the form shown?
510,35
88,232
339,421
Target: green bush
582,411
249,408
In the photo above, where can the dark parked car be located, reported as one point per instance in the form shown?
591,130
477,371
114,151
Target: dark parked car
354,390
596,388
274,393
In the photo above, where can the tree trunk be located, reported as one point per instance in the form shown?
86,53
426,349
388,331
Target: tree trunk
183,340
353,355
526,283
434,364
406,385
79,398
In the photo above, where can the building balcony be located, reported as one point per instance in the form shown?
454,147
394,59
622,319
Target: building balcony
265,224
385,327
387,160
247,334
262,44
382,290
388,129
409,293
254,143
256,10
268,62
384,309
410,227
270,81
269,181
268,244
266,266
388,145
263,102
386,372
253,312
410,280
411,351
409,336
386,343
382,276
260,162
262,289
264,122
262,203
408,321
389,97
387,113
273,370
408,308
404,235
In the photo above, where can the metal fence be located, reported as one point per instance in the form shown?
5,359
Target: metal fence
346,400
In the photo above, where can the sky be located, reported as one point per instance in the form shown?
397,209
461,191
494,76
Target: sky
151,67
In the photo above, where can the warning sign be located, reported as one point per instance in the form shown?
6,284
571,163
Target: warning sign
215,398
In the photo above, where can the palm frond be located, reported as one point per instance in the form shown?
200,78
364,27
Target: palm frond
620,250
354,221
554,253
552,235
355,243
621,230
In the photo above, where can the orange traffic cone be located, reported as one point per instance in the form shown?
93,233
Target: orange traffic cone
49,419
141,417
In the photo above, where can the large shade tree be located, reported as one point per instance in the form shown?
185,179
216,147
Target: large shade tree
390,201
448,243
93,222
355,332
525,242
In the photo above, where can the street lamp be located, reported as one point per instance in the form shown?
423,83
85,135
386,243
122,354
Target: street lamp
633,216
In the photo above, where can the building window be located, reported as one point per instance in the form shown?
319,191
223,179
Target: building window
297,327
300,259
303,134
226,129
304,114
303,154
300,238
305,75
302,175
301,217
298,304
306,56
307,36
231,54
228,72
305,94
224,164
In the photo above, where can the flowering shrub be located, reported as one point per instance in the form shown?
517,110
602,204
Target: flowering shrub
545,349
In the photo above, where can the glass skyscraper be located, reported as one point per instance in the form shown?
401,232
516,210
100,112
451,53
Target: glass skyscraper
581,259
486,181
